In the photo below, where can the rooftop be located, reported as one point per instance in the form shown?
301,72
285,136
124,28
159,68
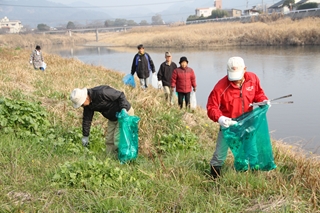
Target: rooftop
278,4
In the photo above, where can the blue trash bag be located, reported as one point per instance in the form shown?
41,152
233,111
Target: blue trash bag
128,141
129,80
249,141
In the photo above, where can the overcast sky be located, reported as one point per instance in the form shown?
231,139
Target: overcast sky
239,4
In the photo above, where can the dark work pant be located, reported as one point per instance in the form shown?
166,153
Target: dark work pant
186,97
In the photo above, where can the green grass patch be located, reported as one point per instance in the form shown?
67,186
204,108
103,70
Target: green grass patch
45,168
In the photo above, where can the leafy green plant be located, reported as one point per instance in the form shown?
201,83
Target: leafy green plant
92,173
70,140
178,141
23,118
27,119
172,134
170,120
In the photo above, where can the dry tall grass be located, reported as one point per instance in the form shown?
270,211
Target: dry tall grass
297,177
281,32
31,40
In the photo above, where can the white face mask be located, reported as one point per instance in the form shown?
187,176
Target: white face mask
38,53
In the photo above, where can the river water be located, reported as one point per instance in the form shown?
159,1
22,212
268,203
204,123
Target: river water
282,71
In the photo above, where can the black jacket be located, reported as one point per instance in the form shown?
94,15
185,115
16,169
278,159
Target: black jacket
107,101
142,64
165,73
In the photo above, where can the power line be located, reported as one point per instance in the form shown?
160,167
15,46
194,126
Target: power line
92,7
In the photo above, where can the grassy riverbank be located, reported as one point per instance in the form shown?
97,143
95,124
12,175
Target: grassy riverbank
282,32
44,168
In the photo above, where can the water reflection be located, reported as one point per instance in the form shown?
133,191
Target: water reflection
282,71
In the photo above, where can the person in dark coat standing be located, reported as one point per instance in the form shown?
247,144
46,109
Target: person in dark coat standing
183,78
106,100
142,65
164,77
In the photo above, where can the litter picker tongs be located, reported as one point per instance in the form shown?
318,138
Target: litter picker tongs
275,99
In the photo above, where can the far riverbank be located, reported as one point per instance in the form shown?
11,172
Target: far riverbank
284,32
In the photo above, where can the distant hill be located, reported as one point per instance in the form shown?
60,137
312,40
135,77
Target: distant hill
34,12
172,13
52,16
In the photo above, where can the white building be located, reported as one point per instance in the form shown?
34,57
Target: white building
279,8
13,26
205,12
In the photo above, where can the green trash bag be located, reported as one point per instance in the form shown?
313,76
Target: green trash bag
249,141
128,141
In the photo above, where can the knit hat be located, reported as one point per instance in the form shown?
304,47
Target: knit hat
78,97
182,59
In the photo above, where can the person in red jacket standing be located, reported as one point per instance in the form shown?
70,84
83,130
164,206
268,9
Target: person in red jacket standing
230,98
183,78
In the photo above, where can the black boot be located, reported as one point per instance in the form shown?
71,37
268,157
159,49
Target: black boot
215,171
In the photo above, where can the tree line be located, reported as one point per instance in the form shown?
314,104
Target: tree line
155,20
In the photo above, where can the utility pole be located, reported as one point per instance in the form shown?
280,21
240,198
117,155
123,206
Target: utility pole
247,3
262,7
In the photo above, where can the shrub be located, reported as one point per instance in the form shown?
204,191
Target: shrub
219,14
192,18
43,27
23,118
71,25
309,5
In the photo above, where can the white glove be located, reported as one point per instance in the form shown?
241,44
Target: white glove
160,84
226,122
30,62
85,141
267,102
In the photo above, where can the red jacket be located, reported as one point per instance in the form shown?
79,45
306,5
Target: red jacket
183,79
229,100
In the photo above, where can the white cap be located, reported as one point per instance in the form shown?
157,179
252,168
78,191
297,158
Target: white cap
78,97
235,68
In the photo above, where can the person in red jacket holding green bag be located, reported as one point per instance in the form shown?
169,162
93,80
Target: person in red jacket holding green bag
183,79
230,98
